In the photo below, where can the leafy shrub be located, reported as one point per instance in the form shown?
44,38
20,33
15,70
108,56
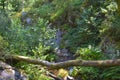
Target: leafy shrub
23,39
89,53
5,22
85,73
33,72
44,53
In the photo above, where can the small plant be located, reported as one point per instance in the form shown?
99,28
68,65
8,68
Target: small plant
86,73
89,53
44,53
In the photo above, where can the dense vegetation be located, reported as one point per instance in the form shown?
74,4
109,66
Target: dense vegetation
73,29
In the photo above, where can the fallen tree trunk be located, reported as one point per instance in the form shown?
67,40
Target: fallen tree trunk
93,63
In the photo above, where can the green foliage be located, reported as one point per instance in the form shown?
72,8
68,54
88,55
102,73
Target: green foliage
5,22
44,10
81,37
89,53
44,53
83,23
87,29
23,39
83,72
92,73
3,44
15,5
34,72
111,73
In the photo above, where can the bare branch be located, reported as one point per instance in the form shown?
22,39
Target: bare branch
94,63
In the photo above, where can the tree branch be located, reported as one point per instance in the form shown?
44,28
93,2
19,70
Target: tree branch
94,63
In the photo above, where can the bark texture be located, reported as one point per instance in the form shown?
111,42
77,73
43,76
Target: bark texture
69,63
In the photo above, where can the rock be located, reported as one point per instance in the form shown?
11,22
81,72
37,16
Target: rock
7,72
